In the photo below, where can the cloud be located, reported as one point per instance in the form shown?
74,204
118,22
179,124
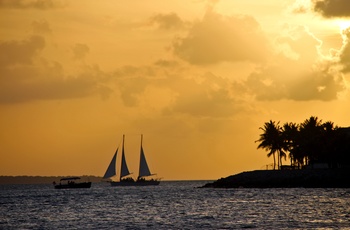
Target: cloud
132,81
218,38
166,63
209,97
176,90
41,27
300,6
332,8
344,53
167,21
304,75
26,76
80,51
30,4
48,82
277,83
20,52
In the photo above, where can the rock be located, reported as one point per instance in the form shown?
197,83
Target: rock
313,178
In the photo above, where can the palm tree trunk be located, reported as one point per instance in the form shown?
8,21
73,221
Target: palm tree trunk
280,159
280,162
274,162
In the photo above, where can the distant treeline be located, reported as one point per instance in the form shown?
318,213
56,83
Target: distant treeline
40,179
309,143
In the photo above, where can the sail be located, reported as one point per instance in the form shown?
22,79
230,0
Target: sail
143,169
124,171
111,168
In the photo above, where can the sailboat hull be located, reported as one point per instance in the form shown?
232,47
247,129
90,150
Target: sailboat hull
76,185
135,183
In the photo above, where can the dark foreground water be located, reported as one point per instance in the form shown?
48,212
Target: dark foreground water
172,205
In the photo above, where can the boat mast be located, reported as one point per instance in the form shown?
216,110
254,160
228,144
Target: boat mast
143,169
141,152
123,160
141,139
124,170
123,142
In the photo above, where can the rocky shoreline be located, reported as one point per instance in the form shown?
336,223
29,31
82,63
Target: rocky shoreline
308,178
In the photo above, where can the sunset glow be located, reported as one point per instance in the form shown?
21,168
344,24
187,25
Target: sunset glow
343,25
196,78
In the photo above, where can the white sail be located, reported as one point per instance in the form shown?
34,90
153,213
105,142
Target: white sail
111,171
143,169
124,171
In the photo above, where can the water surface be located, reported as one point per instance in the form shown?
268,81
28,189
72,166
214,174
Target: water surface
172,205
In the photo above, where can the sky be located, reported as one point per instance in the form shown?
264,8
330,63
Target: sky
197,78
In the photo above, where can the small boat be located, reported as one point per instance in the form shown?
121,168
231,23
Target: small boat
125,178
71,182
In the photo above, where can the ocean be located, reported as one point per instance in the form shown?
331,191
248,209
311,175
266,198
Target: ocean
172,205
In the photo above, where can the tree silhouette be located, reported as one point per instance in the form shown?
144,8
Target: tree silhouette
309,139
271,140
307,143
290,134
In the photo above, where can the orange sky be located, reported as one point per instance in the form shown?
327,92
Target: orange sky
197,78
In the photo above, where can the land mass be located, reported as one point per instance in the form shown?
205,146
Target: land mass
308,178
41,179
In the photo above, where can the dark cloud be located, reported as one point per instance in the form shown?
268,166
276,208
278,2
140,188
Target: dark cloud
208,96
41,27
132,82
30,4
332,8
80,51
218,38
131,89
26,76
48,82
167,21
166,63
20,52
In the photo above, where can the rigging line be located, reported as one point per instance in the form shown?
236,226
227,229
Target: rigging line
120,141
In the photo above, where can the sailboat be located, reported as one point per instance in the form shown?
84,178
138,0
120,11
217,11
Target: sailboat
125,178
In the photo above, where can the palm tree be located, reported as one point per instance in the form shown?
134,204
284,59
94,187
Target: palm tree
308,142
341,154
310,133
271,140
290,135
328,139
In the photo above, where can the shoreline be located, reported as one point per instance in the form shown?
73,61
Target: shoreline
307,178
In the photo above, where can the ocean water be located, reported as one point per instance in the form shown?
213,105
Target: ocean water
172,205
